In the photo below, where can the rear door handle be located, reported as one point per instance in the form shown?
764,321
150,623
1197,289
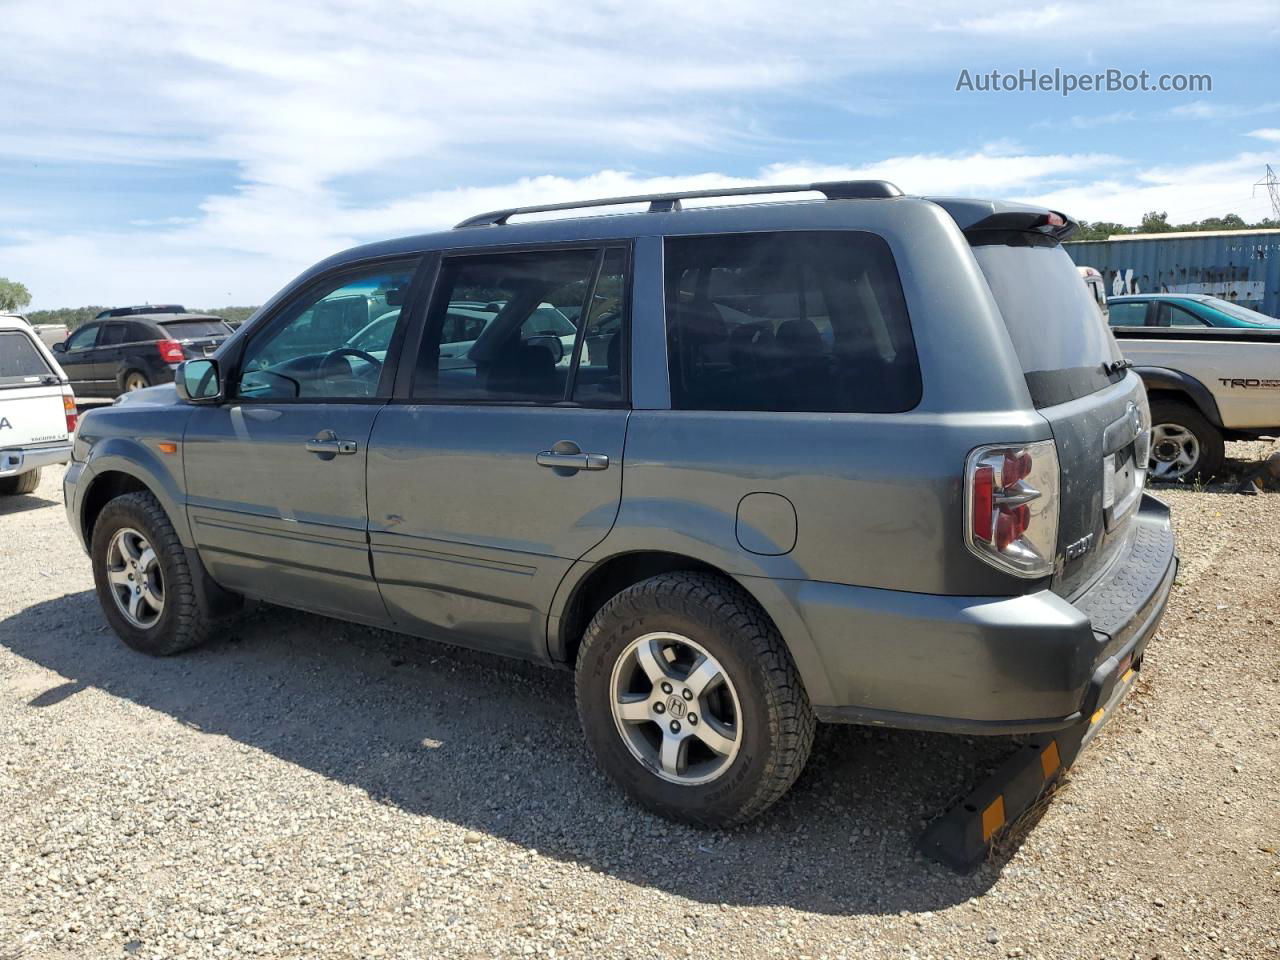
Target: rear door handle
326,446
567,455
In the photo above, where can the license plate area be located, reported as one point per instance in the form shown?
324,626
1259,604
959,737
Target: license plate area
1123,477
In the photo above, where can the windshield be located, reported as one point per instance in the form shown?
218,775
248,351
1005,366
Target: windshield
1241,313
1060,337
195,329
20,362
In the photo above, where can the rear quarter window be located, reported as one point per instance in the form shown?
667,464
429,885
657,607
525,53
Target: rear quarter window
809,321
195,329
20,362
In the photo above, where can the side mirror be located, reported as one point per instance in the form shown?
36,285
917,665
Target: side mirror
60,347
197,381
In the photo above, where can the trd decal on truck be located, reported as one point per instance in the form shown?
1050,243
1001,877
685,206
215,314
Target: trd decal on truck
1249,383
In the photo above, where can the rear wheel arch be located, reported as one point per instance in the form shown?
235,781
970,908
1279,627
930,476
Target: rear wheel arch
1177,387
605,580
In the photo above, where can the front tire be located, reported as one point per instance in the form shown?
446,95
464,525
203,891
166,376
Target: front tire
690,701
1184,445
22,483
143,579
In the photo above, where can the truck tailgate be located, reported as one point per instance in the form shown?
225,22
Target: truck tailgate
31,415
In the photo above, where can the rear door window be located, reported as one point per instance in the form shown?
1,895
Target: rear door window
1061,340
1171,315
21,364
499,329
112,334
796,321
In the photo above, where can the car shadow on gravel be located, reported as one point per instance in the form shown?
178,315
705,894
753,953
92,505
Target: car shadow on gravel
22,504
494,746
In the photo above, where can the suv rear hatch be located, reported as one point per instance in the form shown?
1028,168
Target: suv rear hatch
199,337
1096,410
31,406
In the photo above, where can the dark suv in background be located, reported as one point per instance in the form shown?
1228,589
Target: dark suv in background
865,459
128,348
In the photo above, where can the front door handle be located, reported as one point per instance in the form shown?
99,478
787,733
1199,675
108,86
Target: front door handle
326,446
568,457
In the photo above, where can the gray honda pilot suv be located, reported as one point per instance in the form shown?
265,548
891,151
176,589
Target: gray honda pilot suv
866,458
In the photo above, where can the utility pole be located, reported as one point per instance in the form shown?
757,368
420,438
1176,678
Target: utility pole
1272,183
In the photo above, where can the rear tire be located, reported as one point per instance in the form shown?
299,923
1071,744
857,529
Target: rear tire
136,553
134,380
22,483
1184,445
637,671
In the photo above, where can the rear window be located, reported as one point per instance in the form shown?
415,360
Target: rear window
1061,340
795,321
20,362
195,329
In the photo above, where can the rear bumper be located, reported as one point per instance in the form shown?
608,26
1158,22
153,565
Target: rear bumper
991,665
16,460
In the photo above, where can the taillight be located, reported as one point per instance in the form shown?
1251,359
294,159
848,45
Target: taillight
69,408
170,351
1011,516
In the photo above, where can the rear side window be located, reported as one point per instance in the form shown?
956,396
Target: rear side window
195,329
796,321
1061,340
20,362
509,328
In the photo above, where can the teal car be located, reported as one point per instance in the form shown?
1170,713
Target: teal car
1183,310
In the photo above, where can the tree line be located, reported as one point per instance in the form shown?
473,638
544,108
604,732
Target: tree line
1158,222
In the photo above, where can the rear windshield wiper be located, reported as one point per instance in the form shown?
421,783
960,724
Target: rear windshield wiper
1117,366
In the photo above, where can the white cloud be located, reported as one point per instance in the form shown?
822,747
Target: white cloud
1204,110
1271,134
308,109
1188,193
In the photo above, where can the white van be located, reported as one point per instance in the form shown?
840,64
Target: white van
37,408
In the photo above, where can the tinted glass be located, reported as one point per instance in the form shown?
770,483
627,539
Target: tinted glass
599,377
1057,332
1128,314
499,328
195,329
1178,317
20,361
810,321
112,333
84,337
1238,312
313,349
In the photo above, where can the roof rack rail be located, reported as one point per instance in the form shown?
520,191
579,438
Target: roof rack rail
670,202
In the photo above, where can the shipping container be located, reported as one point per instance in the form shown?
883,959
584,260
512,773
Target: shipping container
1242,266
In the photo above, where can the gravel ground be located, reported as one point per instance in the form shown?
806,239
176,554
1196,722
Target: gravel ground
305,788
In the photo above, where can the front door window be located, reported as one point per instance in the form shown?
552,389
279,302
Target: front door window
332,344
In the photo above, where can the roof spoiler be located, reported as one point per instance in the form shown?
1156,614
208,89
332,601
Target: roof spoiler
980,216
670,202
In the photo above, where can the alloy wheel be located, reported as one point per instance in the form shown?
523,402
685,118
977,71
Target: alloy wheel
135,578
676,708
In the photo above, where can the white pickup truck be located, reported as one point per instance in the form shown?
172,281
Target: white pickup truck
1206,385
37,408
